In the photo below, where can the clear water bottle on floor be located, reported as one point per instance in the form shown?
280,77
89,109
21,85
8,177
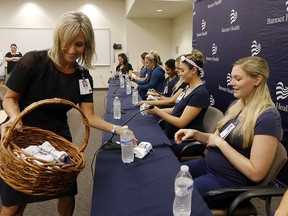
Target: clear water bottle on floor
128,87
116,108
126,140
135,97
183,192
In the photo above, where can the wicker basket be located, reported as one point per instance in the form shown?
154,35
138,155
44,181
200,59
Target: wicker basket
29,177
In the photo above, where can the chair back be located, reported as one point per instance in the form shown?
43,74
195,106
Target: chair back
279,160
211,118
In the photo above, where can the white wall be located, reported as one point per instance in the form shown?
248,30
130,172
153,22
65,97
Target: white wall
135,35
45,13
148,34
182,34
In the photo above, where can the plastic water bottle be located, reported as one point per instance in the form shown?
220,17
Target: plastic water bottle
183,192
126,139
126,78
122,83
116,108
128,87
135,97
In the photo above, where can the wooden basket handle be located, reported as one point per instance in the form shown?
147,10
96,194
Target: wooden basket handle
39,103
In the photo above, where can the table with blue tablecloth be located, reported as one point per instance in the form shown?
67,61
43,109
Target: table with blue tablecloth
145,186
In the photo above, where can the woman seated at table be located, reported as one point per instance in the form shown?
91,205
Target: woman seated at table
156,76
144,71
169,83
124,66
242,149
177,89
192,103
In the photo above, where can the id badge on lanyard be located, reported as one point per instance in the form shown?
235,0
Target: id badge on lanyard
85,87
180,97
227,130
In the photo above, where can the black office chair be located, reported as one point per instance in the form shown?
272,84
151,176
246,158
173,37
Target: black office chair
211,118
241,205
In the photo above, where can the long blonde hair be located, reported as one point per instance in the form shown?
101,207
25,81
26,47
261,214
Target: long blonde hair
261,100
66,30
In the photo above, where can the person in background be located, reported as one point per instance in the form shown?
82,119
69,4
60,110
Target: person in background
171,80
2,68
124,66
12,58
192,103
155,78
241,150
282,210
144,70
49,74
177,90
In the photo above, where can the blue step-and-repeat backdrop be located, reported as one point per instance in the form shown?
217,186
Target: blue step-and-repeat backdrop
226,30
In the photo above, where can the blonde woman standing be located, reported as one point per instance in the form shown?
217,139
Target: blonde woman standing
49,74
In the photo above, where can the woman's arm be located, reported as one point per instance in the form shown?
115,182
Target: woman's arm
156,75
283,207
94,120
184,134
187,116
168,102
12,109
262,153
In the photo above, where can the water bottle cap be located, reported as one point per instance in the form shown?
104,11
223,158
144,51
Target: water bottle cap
116,97
184,168
125,127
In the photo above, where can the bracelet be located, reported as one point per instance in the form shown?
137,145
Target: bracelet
115,129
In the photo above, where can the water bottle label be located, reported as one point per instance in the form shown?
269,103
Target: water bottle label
126,142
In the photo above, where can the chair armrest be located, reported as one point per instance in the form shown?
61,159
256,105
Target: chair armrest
247,193
189,145
267,193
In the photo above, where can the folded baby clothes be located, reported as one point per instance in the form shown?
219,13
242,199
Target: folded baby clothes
47,148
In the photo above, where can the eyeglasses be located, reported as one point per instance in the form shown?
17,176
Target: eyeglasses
183,58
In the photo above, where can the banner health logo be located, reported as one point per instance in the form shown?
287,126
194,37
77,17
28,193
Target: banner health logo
215,3
280,19
203,24
281,94
233,18
255,48
212,100
203,27
228,83
228,79
214,51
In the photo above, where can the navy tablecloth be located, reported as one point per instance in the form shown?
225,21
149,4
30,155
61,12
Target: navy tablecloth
144,187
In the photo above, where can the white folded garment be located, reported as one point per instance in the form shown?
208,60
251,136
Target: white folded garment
34,151
47,148
142,149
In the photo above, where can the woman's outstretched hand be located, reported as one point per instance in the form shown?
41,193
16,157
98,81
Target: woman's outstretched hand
183,134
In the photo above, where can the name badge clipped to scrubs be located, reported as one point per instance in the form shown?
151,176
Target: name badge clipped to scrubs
85,87
180,97
227,131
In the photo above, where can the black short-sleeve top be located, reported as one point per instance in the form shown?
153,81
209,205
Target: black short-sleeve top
36,78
